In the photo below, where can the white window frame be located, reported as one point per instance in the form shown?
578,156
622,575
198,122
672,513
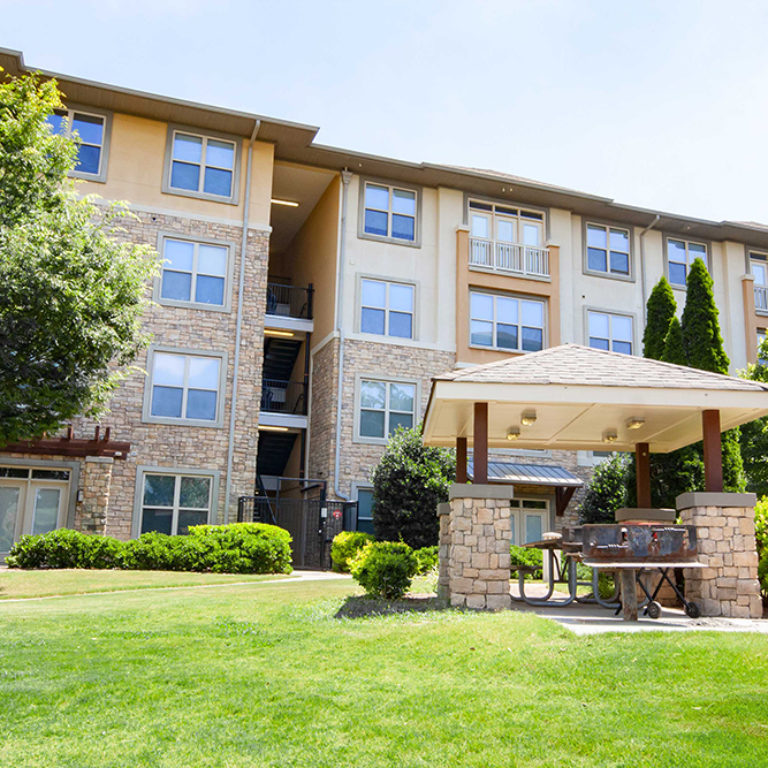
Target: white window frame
232,198
516,297
507,210
608,272
688,260
610,315
178,472
192,304
147,416
760,291
106,117
389,238
387,380
519,511
386,309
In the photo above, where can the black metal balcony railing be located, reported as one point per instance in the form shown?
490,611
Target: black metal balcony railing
289,300
279,396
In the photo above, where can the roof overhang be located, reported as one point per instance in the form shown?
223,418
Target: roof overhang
580,417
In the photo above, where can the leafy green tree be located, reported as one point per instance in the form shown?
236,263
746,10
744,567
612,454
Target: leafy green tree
606,491
71,294
673,351
408,483
660,310
754,435
704,349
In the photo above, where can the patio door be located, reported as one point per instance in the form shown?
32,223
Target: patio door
29,507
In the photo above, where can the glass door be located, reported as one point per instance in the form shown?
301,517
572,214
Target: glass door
480,241
46,508
507,249
11,506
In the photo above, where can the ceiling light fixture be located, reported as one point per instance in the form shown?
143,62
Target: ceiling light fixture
610,436
635,423
281,334
513,433
528,418
289,203
270,428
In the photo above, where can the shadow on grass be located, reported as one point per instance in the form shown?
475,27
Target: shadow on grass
360,607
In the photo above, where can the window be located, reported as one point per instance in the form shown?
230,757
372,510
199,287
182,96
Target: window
385,406
184,387
194,273
759,269
760,339
386,308
506,322
389,212
365,510
680,256
530,520
171,503
91,130
202,166
612,332
608,250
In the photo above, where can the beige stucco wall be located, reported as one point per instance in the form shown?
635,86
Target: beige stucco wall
135,174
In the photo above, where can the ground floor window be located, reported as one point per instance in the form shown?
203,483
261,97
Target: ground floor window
530,520
170,503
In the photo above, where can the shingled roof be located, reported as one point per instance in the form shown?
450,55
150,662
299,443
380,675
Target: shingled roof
575,365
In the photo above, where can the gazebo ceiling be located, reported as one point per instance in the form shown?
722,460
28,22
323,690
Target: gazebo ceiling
586,399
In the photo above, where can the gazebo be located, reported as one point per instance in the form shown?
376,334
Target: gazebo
577,398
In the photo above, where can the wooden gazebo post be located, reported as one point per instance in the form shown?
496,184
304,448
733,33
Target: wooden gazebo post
713,451
643,475
461,460
480,443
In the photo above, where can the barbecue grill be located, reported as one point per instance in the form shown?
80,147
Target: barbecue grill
631,549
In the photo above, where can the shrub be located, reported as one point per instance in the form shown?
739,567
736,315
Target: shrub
408,483
385,569
761,537
159,552
762,572
606,491
427,559
532,558
345,547
64,548
242,547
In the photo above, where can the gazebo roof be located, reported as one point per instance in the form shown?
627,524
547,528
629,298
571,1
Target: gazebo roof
582,396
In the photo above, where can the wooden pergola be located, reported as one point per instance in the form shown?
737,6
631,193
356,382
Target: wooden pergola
577,398
69,445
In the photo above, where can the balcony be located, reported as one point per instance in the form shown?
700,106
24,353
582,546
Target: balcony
289,307
761,299
278,396
509,258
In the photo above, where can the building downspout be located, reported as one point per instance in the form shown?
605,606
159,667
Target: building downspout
642,264
346,177
239,320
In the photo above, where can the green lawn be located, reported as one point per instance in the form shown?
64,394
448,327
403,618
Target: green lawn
266,675
16,584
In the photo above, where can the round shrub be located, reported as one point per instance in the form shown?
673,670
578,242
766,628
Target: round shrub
385,569
427,559
242,547
345,547
64,548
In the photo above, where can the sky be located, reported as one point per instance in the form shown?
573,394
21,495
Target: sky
659,104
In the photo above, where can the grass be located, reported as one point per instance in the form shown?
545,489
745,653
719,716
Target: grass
20,584
266,675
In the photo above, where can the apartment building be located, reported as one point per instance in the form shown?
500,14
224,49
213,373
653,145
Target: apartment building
309,294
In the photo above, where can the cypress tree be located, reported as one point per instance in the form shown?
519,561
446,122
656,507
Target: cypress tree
673,344
660,310
703,345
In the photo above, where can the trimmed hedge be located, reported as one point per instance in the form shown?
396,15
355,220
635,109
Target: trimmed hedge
385,568
427,559
345,547
235,548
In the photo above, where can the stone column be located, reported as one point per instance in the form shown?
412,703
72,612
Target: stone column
91,516
725,523
444,546
475,539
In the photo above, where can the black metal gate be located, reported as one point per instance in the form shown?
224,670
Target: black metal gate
312,524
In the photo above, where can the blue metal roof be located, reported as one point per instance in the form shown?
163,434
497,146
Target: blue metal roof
529,474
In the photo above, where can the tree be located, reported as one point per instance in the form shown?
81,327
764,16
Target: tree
71,295
703,345
660,310
673,351
606,491
753,440
408,483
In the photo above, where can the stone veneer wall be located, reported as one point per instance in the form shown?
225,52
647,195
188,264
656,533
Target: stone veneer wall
179,447
322,412
728,584
92,513
474,548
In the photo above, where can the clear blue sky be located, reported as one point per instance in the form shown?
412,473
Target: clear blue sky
655,103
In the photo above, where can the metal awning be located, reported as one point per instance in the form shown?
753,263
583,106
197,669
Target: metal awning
551,475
